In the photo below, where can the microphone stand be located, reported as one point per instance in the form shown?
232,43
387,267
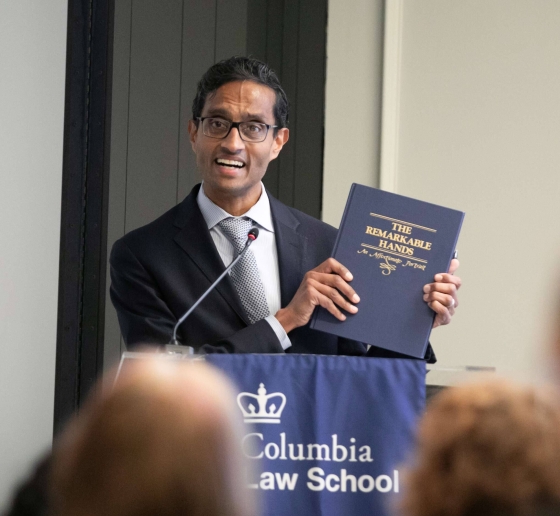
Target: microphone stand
251,236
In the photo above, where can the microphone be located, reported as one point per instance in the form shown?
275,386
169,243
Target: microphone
252,235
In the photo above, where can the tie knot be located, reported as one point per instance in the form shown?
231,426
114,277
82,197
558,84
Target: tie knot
236,229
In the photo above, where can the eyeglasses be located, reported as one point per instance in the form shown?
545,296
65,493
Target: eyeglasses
219,128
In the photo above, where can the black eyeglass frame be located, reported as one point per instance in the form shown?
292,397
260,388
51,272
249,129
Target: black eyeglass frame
232,125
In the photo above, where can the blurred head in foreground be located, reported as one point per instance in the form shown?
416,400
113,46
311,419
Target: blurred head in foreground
164,441
486,449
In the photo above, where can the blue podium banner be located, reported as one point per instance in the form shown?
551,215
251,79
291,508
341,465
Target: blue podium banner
328,434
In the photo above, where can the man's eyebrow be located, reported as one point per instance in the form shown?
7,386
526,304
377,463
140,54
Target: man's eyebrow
223,113
218,112
256,116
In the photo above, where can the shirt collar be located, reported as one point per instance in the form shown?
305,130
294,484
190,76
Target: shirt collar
213,214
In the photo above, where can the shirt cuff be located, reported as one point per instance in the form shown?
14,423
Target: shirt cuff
280,332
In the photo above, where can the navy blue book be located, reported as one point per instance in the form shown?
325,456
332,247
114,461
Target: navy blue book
393,245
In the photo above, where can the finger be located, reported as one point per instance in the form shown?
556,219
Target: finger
332,266
447,278
335,296
453,266
438,321
335,281
445,300
443,315
328,304
443,288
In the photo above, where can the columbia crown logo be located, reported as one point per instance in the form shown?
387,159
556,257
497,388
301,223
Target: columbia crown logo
268,410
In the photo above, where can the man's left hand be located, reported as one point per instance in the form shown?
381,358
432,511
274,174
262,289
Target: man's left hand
441,295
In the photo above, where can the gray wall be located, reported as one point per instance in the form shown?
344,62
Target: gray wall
353,101
32,64
478,130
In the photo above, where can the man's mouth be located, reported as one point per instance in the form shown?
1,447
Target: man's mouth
230,163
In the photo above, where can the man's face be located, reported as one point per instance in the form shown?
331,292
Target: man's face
236,181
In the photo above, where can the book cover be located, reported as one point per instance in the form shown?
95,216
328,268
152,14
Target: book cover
393,246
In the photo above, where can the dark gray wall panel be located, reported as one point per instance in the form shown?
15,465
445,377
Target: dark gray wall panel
118,160
154,107
309,129
231,28
257,28
275,33
289,78
83,225
199,35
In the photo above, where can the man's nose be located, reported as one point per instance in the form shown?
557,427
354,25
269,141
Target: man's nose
233,142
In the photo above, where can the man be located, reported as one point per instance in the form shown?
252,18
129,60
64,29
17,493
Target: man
240,115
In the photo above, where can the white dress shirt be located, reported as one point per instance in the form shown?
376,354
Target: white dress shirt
263,248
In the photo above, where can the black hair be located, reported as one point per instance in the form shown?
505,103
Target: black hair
239,68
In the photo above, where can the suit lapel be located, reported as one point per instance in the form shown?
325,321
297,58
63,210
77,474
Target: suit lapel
291,247
195,239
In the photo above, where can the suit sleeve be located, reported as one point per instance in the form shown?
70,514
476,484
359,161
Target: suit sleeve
146,320
374,351
354,348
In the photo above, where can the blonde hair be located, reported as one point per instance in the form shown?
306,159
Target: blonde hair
489,448
164,441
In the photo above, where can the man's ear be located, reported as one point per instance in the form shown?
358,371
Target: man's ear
281,138
193,133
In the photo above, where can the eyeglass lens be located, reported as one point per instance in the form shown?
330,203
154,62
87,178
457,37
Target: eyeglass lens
219,128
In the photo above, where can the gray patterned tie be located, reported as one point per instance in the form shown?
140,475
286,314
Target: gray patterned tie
245,274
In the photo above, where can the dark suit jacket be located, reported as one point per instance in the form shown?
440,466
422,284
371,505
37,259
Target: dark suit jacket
159,271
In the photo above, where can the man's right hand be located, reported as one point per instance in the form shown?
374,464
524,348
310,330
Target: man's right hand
322,286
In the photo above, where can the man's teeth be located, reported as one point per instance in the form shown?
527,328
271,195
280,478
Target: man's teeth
229,163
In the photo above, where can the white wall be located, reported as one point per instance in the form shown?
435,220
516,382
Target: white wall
32,71
353,101
476,107
479,131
